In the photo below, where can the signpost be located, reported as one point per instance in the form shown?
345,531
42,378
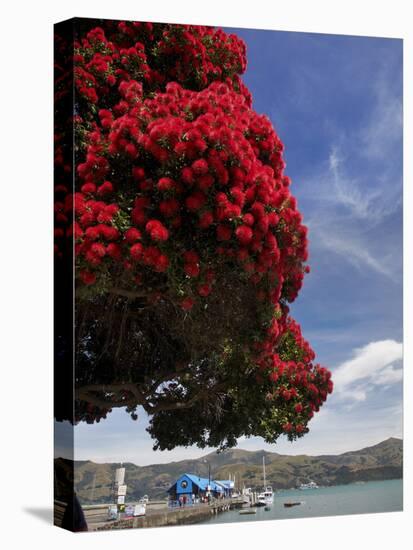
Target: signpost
122,490
119,489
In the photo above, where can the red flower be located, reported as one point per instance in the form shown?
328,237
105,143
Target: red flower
273,376
165,184
192,270
108,232
204,290
132,235
161,263
248,219
244,234
286,395
136,251
88,188
138,173
92,233
298,408
200,167
111,80
150,255
87,277
187,175
187,303
105,189
206,220
114,251
98,249
157,231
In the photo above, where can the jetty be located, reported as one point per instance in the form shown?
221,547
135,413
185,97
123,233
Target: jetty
158,514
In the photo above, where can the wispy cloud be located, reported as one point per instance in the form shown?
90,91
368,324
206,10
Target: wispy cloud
354,250
358,187
384,132
366,201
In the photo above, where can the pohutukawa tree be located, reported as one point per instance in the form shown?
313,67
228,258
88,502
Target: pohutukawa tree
188,242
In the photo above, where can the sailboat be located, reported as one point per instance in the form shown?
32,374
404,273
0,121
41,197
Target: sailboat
266,498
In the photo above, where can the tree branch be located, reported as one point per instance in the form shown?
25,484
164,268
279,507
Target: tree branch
128,293
88,393
166,405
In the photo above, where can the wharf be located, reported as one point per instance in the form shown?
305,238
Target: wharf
163,516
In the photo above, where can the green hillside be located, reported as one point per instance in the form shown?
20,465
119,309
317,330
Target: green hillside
382,461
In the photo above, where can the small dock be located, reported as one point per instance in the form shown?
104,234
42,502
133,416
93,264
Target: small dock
160,517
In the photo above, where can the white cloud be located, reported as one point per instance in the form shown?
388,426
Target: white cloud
389,376
371,366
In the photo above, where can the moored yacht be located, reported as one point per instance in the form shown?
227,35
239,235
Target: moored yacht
266,498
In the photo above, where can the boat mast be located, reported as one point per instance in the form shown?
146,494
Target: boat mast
263,468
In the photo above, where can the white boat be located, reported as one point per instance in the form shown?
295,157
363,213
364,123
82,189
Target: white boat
246,511
310,485
266,498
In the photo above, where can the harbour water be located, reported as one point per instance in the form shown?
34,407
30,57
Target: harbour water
365,498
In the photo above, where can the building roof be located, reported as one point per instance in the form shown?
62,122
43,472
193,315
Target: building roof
227,483
202,483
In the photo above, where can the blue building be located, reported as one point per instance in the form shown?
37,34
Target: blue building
228,486
190,487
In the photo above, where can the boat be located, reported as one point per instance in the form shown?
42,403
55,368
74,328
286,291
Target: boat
245,511
266,498
310,485
291,504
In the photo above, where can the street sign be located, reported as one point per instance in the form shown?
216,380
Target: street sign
121,499
122,490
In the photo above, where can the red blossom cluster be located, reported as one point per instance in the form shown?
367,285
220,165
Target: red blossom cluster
198,164
177,178
155,54
299,387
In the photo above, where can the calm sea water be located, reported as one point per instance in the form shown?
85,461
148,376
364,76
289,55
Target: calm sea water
367,498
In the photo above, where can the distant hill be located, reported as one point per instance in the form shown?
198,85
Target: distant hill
382,461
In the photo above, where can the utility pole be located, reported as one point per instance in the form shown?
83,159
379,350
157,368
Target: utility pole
92,498
209,474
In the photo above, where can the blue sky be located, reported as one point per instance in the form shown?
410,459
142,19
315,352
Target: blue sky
336,102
